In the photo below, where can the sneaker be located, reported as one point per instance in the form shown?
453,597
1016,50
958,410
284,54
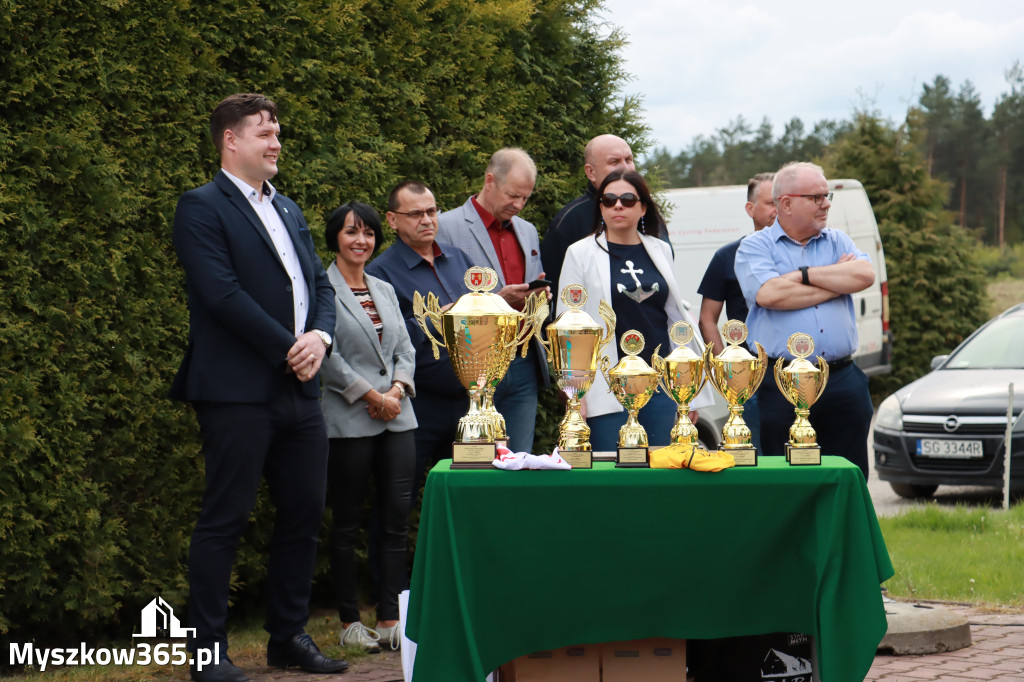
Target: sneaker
391,636
359,635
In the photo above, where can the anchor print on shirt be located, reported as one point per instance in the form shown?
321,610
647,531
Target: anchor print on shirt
637,293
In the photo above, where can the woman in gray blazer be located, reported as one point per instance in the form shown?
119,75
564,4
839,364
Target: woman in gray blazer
370,422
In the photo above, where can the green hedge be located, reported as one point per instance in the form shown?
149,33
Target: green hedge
103,115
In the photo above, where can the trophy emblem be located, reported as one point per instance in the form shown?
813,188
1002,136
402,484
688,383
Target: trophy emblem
682,378
481,334
802,384
736,375
574,342
632,381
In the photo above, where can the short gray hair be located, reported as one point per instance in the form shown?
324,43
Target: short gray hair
755,182
786,175
504,160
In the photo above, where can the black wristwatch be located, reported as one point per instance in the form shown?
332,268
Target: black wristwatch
803,274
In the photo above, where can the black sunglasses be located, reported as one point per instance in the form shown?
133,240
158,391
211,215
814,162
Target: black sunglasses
628,199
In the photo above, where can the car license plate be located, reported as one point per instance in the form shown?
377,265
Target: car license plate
949,449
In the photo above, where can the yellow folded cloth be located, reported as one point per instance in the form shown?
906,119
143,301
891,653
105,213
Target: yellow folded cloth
684,456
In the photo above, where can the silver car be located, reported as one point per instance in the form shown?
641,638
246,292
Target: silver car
949,426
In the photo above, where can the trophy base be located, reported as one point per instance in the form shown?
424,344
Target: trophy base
473,455
744,457
634,457
798,456
578,459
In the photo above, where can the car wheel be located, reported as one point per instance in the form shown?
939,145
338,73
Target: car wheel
911,491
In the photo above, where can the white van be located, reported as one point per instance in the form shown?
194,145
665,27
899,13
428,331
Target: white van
705,218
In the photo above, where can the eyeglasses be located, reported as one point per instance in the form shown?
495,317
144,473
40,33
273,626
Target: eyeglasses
419,213
816,198
628,200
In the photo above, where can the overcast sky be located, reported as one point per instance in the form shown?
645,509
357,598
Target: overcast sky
700,64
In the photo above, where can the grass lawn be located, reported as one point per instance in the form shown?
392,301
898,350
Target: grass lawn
1004,293
966,554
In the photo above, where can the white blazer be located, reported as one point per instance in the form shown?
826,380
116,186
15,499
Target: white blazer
586,263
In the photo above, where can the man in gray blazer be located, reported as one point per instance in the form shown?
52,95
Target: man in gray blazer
488,230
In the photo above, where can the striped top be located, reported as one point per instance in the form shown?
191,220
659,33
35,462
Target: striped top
365,300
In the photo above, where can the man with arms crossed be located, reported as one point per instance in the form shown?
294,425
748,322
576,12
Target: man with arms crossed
798,276
488,229
260,312
720,287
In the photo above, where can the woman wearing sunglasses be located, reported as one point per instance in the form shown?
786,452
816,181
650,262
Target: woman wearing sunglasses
370,422
626,263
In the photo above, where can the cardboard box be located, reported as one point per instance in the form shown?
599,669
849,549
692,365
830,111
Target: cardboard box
568,664
657,659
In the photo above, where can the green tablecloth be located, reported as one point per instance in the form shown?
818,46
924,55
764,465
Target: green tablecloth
511,562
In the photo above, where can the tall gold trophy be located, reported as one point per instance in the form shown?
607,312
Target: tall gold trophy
573,344
802,384
736,374
481,333
632,381
682,377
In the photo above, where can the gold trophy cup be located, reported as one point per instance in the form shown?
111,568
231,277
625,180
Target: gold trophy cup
802,384
682,377
574,342
632,381
481,333
736,374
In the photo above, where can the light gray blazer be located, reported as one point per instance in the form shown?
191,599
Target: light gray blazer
463,227
361,362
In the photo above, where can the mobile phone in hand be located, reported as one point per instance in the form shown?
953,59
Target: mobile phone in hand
540,283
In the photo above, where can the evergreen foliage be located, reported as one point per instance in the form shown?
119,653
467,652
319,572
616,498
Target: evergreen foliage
103,119
936,288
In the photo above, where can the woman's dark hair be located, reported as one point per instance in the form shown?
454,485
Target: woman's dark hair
364,214
650,224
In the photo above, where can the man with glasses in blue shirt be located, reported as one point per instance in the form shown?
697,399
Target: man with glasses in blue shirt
418,262
798,276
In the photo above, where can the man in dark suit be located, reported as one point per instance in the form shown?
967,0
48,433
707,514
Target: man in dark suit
260,312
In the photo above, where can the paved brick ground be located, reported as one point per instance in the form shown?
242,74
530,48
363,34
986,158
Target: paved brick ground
995,655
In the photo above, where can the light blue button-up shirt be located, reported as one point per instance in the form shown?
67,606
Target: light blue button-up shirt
772,253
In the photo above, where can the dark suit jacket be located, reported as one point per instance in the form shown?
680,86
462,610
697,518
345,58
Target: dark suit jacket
241,313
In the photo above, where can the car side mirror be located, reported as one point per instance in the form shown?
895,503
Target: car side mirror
938,360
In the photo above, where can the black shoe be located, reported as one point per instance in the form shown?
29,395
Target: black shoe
221,671
301,652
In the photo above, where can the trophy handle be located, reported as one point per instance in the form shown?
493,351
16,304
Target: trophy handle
430,310
658,365
607,313
823,368
780,381
602,366
535,311
709,367
763,357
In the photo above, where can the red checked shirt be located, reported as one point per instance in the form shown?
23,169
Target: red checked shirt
503,237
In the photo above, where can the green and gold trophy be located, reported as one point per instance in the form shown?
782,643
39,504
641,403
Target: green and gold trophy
481,333
802,384
574,342
632,381
736,374
682,377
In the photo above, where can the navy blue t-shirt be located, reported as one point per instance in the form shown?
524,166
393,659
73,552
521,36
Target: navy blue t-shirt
639,294
720,283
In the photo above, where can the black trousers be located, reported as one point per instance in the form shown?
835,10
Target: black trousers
438,418
841,417
284,441
391,458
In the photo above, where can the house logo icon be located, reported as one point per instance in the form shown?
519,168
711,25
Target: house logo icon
158,620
